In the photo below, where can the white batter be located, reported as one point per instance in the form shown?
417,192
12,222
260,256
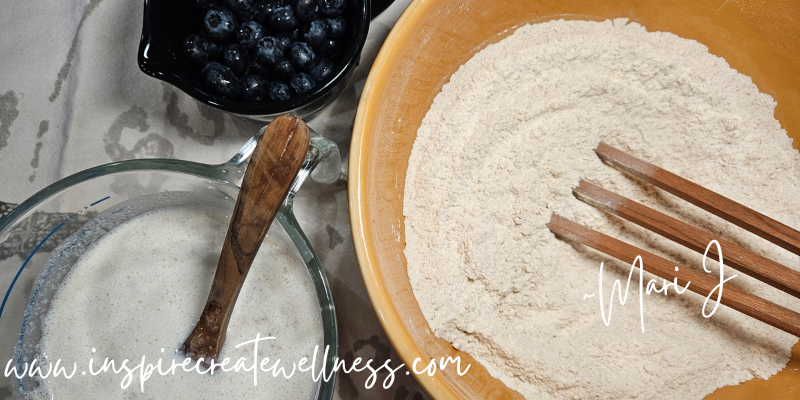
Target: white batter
142,288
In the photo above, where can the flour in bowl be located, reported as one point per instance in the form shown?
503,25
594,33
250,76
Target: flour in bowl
499,152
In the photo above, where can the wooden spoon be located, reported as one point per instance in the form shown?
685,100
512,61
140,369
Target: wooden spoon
273,166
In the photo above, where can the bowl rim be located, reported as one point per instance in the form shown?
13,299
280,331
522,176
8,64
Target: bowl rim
379,81
366,252
227,173
153,69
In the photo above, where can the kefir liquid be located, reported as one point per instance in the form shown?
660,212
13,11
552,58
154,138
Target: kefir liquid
139,291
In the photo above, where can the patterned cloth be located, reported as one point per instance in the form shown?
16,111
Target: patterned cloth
24,238
72,97
6,208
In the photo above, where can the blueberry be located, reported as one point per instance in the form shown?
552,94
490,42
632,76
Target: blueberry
301,83
283,69
331,8
335,27
221,80
315,33
328,48
301,56
196,48
279,91
204,4
243,9
283,19
285,40
306,10
214,50
264,10
250,33
254,88
322,71
236,58
269,50
256,68
220,24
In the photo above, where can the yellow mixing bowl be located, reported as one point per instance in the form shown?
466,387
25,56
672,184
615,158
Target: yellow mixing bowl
759,38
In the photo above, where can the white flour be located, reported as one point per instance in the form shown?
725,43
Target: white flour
500,150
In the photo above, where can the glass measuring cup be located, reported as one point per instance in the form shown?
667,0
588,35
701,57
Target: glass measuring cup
45,222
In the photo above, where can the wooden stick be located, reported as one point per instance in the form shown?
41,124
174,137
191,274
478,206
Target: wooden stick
746,303
721,206
275,161
750,263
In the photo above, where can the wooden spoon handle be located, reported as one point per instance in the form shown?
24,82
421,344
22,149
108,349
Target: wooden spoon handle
273,166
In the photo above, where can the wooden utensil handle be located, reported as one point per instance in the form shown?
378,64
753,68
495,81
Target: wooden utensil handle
755,265
721,206
273,166
744,302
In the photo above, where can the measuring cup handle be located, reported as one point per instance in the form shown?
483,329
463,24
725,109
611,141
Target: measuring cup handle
323,163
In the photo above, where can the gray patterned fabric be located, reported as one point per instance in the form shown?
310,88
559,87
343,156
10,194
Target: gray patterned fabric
6,208
25,237
72,97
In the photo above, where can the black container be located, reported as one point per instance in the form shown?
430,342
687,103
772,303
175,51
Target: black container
166,24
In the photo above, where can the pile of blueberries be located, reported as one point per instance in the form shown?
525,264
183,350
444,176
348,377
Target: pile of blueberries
270,49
